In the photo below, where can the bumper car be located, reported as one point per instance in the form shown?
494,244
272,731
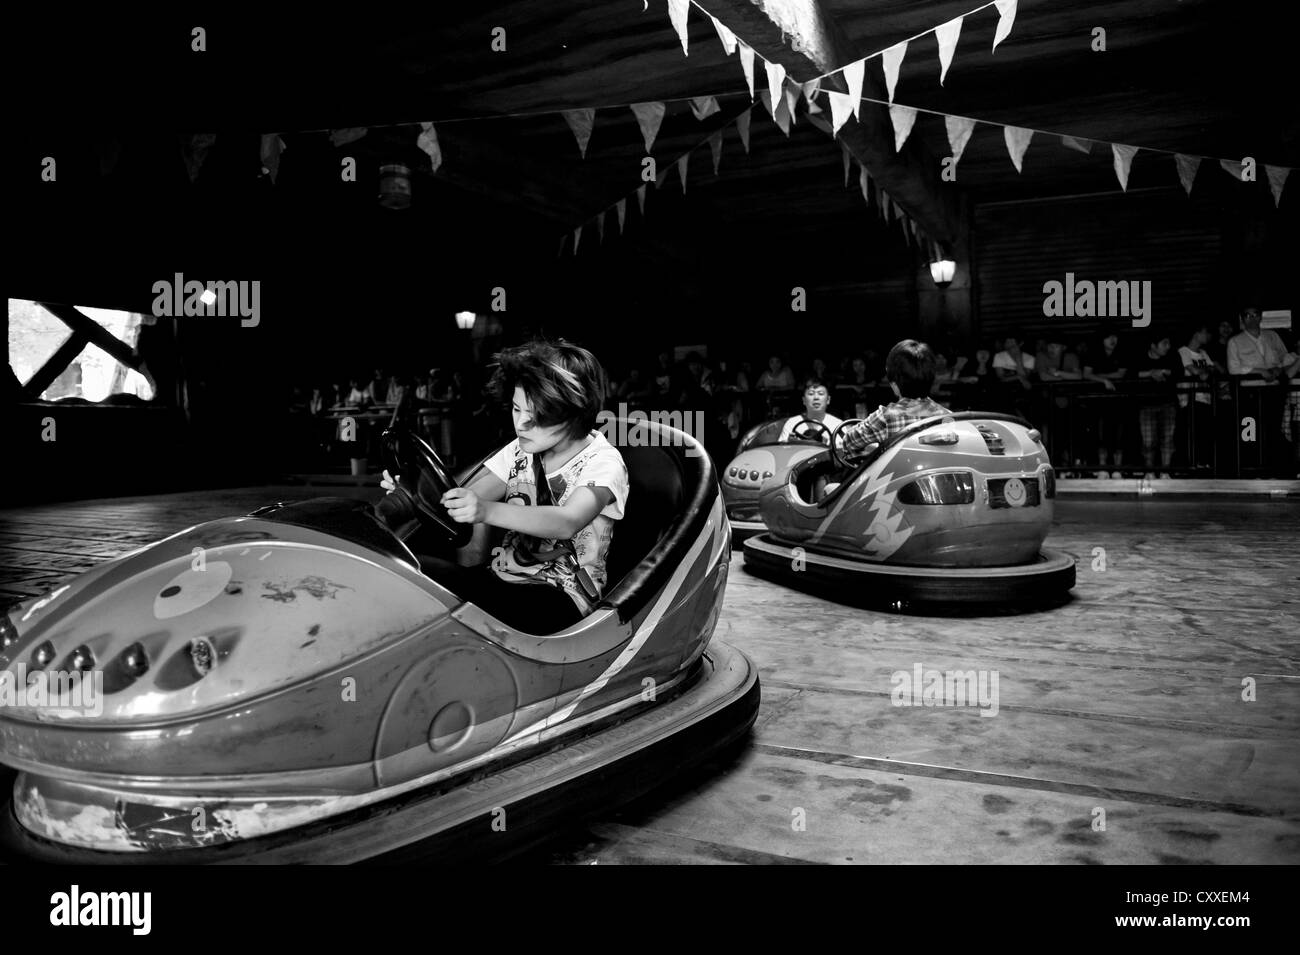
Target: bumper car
953,510
292,686
762,457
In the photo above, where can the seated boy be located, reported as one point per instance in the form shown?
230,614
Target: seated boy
816,399
910,372
557,489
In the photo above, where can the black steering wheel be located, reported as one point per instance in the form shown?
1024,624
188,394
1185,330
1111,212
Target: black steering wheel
809,429
837,446
423,479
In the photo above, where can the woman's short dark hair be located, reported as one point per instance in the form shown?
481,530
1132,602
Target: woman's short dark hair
565,384
910,366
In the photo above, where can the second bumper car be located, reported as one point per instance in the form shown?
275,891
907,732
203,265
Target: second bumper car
952,510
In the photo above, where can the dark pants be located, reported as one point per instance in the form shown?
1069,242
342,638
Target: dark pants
530,608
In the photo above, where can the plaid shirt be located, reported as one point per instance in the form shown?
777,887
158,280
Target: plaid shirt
887,421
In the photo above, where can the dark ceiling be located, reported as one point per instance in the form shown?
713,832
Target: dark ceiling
1196,76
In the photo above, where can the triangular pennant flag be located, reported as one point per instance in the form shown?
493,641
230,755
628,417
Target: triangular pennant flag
891,60
682,162
813,108
853,74
775,81
341,137
1187,166
580,121
677,14
600,228
742,127
577,237
841,109
194,150
1017,142
898,210
620,207
1277,181
903,224
704,106
782,115
810,91
272,146
903,118
766,99
848,160
1006,17
947,35
884,204
428,141
863,181
1233,169
747,64
959,130
640,198
715,143
563,239
726,36
648,117
1080,145
1123,160
792,93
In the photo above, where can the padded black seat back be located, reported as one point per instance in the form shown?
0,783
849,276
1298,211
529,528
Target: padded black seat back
655,495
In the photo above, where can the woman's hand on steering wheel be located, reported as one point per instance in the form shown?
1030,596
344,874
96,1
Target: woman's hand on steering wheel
389,482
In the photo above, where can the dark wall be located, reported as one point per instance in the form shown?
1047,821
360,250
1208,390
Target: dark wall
1204,255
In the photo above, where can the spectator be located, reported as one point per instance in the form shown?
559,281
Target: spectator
1261,352
856,384
1256,351
698,381
663,382
377,387
733,387
822,373
1013,367
358,394
1158,414
1054,364
396,389
1012,364
636,390
322,399
1106,365
1217,347
1195,404
777,377
1291,413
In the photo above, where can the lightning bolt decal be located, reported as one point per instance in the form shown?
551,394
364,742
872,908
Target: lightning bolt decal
884,533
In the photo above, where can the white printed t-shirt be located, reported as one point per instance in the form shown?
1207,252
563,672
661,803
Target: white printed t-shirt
597,465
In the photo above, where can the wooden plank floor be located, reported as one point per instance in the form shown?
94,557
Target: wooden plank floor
1127,701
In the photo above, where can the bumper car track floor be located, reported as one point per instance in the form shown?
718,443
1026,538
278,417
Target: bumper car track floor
1128,699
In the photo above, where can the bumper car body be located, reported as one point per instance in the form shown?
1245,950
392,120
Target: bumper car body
294,668
954,509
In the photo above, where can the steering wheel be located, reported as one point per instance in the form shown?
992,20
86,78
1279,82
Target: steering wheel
808,429
423,479
837,445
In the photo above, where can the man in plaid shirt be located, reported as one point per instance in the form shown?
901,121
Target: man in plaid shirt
910,370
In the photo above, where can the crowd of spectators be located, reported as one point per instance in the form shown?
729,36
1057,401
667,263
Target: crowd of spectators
1123,401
